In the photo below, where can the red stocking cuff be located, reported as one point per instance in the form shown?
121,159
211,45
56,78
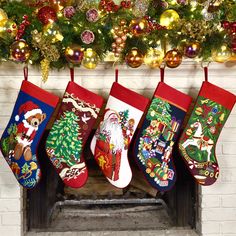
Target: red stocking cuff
39,93
218,95
130,97
173,96
85,94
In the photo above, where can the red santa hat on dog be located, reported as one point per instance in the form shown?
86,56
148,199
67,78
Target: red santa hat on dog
29,109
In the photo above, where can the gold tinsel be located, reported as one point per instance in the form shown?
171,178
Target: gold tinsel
85,5
196,29
45,67
48,51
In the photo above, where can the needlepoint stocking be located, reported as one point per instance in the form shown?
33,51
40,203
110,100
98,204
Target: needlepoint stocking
198,141
32,111
77,115
110,144
159,131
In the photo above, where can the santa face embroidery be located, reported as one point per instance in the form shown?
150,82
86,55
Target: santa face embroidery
113,136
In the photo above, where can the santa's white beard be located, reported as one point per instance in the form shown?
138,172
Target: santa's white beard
116,135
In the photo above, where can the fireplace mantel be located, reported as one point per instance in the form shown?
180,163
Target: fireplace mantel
217,204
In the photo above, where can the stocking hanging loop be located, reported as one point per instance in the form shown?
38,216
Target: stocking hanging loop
116,75
206,73
25,70
162,73
205,66
72,74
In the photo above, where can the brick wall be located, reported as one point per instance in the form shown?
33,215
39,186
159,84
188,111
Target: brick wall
217,211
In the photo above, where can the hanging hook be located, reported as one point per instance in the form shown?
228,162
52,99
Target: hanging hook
116,75
25,70
72,74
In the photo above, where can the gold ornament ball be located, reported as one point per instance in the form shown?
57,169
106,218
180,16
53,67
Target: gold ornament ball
122,45
3,15
116,28
8,29
20,51
139,26
124,37
126,30
74,54
119,40
53,31
222,54
120,33
153,58
173,58
192,49
91,59
58,5
123,22
134,58
169,18
119,50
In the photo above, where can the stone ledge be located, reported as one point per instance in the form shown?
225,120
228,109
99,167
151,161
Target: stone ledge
172,232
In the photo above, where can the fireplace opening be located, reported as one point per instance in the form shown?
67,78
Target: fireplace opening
98,205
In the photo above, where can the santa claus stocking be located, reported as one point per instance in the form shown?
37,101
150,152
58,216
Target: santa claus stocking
78,112
19,142
198,141
123,112
160,129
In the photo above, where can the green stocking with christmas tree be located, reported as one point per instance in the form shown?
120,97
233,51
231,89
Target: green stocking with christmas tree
198,141
78,113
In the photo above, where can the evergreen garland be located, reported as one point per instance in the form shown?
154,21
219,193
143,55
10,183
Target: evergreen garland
71,29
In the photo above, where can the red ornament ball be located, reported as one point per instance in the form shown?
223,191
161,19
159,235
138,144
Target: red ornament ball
69,12
47,15
92,15
233,45
233,25
232,32
182,2
225,24
87,37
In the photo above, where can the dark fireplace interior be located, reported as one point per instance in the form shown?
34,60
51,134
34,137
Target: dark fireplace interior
97,206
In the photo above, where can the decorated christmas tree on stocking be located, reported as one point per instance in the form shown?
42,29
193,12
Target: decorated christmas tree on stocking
198,141
110,144
78,113
32,111
159,131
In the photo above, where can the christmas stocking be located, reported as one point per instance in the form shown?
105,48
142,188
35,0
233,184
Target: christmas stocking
78,112
19,142
198,141
154,144
123,112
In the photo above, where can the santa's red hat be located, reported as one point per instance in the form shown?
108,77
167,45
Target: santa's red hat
29,109
109,112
